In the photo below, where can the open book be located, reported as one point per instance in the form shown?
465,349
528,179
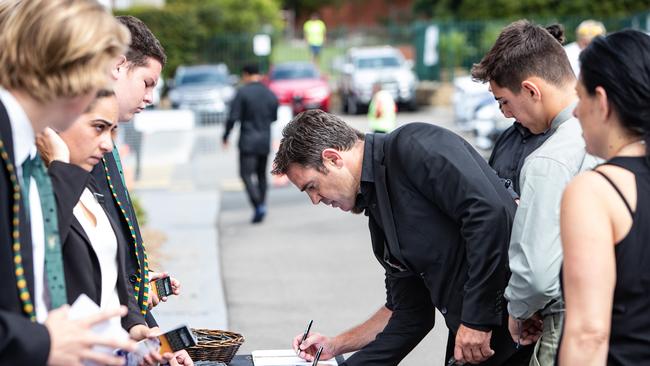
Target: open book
284,357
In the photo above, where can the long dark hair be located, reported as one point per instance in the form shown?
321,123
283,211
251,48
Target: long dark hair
620,64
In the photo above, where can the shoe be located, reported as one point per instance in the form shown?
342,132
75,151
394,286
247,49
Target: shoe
260,212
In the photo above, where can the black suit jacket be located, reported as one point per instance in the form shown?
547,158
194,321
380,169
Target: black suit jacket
255,107
439,212
22,342
81,266
133,263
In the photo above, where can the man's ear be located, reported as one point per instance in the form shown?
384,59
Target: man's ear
121,63
531,89
332,157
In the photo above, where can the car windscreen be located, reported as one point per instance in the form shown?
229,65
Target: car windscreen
377,62
295,72
202,77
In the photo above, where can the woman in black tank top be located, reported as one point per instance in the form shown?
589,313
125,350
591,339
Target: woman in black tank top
605,213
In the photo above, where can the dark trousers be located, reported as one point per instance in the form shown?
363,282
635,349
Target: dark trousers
252,169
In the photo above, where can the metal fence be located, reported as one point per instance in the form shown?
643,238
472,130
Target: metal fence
461,44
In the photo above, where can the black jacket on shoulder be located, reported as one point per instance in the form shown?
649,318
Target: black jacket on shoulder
134,257
80,262
22,342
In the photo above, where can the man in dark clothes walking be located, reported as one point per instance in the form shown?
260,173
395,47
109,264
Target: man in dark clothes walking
440,222
255,107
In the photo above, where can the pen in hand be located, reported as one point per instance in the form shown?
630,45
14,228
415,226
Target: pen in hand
320,350
304,336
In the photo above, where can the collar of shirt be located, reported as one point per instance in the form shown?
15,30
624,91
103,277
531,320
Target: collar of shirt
21,129
523,131
367,173
563,116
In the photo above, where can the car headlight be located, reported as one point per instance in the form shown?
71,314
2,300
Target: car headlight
227,94
407,80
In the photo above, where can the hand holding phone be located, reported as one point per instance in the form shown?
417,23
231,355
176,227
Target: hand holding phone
172,341
164,287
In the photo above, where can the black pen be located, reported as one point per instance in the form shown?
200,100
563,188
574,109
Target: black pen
320,350
304,336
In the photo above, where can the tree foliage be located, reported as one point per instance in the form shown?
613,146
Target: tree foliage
305,7
187,28
495,9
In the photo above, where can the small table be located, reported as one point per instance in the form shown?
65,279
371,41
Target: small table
247,360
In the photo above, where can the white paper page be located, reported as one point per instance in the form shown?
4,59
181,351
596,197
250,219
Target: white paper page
284,357
84,307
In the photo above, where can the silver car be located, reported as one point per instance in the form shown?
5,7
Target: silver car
205,89
365,66
475,109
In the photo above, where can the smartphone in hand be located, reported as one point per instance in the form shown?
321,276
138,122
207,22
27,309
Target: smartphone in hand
164,287
172,341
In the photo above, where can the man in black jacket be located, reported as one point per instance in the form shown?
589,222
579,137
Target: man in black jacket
255,107
440,222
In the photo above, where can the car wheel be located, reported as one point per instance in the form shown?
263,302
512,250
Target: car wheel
412,105
353,106
344,103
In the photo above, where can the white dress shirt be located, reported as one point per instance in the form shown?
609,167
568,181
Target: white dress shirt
25,147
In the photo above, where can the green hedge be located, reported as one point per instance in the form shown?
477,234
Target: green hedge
208,31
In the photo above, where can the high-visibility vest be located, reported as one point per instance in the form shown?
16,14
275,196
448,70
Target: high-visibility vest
314,32
382,112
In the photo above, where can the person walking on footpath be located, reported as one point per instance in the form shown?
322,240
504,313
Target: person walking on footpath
255,107
315,32
531,78
439,221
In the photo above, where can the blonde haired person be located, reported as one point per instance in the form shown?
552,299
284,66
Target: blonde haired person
586,31
55,55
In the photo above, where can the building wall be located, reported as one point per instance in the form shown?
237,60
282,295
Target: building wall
361,13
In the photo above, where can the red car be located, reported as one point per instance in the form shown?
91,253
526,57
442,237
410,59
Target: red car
300,85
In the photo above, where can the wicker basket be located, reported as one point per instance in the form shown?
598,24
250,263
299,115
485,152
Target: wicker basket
215,345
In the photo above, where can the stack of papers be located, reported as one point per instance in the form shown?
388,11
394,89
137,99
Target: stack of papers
284,357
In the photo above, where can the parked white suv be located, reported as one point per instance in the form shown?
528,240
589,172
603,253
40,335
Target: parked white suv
367,65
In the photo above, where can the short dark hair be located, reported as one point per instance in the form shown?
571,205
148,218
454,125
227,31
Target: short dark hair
524,49
143,43
101,93
250,69
307,135
620,64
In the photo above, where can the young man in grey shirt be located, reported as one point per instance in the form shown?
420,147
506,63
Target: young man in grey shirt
531,78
